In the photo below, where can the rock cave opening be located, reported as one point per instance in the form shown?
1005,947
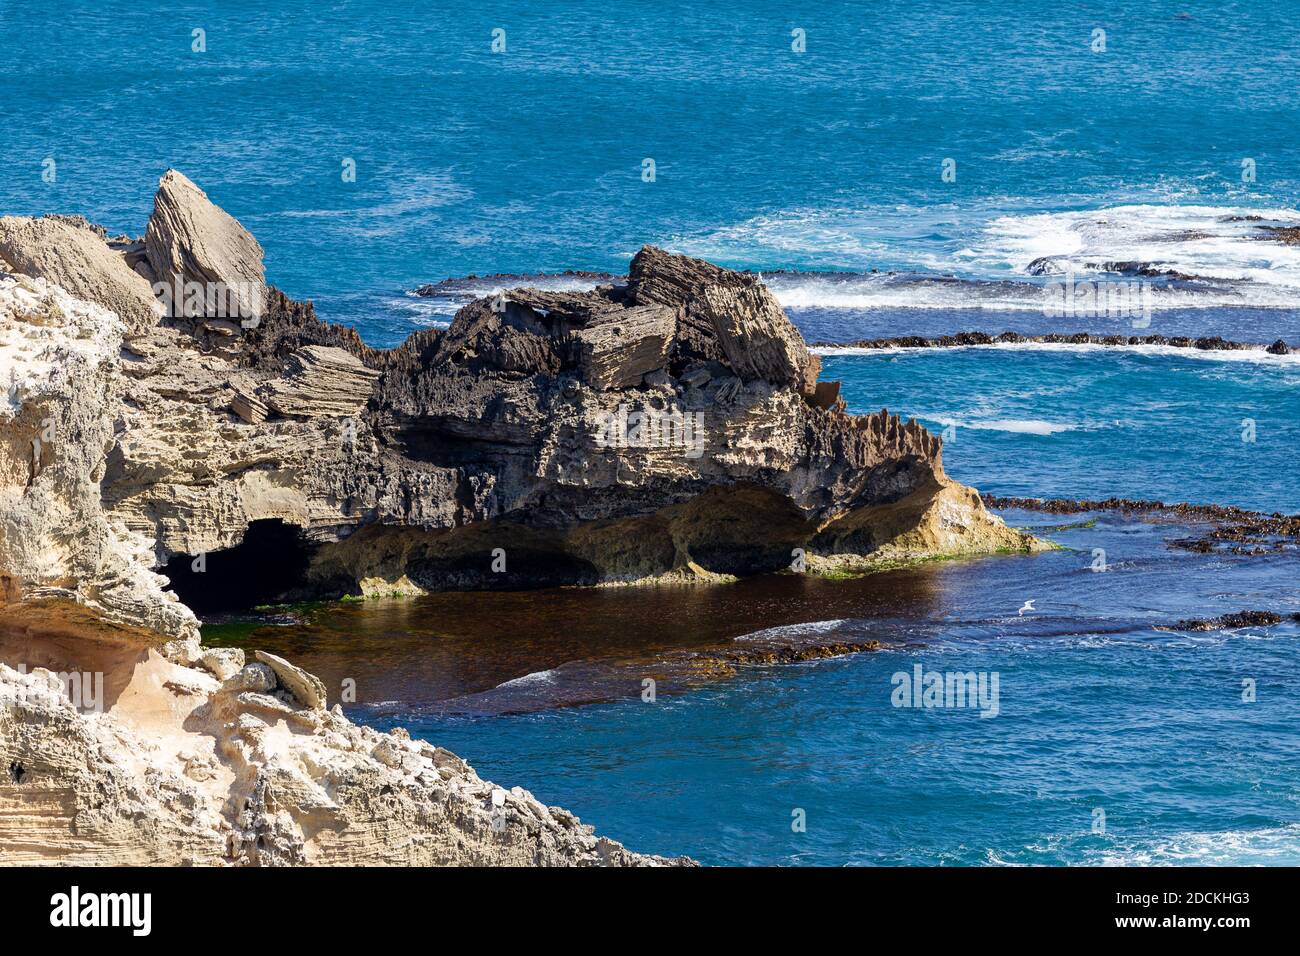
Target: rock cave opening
269,565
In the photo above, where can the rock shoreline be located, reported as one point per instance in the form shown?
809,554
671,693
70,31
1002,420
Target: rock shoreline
1237,619
157,450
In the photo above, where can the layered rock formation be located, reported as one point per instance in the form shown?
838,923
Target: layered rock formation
76,256
191,242
669,428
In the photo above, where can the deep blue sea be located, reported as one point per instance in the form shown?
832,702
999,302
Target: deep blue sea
1159,161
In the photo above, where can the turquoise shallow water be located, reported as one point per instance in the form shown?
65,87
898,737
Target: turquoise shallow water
1120,164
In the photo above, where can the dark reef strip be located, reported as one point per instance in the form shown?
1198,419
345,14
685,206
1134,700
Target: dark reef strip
1236,531
1213,343
1181,509
1229,621
473,282
786,654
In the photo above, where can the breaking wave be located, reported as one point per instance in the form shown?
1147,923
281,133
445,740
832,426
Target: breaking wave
1188,256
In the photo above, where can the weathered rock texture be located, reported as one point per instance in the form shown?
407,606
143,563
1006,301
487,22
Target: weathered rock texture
63,558
79,259
670,427
182,769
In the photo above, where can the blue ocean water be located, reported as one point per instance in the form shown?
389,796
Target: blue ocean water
469,161
1156,159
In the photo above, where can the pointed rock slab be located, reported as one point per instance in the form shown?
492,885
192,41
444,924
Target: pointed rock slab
78,259
307,688
620,347
191,240
322,380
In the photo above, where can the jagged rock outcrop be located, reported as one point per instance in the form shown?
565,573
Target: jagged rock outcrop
725,316
668,428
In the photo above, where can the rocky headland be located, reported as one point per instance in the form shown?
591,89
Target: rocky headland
177,432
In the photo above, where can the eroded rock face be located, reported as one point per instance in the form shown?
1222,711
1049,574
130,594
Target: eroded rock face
78,258
63,558
190,242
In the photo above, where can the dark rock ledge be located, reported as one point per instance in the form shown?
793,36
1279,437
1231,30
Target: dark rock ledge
1229,529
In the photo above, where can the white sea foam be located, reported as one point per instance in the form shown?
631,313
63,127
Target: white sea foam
807,629
1207,241
536,677
913,291
1269,846
1020,426
427,312
406,198
820,291
944,258
948,258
